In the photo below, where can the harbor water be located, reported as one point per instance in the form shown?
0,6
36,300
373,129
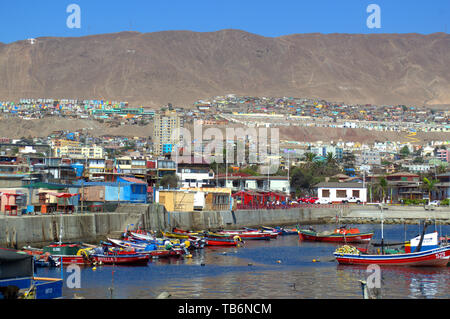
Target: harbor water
282,268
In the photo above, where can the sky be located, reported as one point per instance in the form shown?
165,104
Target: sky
23,19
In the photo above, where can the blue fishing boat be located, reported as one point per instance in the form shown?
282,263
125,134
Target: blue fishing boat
17,280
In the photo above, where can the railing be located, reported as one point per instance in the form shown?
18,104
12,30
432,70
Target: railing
288,206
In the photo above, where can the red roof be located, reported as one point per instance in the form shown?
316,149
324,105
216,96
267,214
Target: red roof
133,180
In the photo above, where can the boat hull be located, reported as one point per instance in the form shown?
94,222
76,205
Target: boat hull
336,238
141,259
220,242
72,259
250,235
430,258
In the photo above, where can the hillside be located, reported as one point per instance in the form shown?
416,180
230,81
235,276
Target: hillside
181,67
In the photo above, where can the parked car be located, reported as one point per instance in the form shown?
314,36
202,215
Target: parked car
351,200
435,203
323,201
309,200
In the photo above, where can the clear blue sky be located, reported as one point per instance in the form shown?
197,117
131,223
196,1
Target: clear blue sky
22,19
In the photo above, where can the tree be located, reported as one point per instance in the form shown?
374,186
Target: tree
310,157
429,185
302,179
330,158
381,188
404,151
169,181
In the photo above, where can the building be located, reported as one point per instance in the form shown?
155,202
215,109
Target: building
192,174
164,126
404,185
336,192
417,168
192,199
239,181
368,157
78,152
443,155
442,190
124,190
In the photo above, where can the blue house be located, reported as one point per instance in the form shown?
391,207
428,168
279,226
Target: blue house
135,190
125,190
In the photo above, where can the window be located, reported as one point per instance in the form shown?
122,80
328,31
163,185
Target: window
341,193
355,193
326,193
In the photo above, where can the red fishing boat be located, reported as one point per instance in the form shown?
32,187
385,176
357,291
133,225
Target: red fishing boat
249,235
121,258
339,235
438,257
216,241
421,251
69,253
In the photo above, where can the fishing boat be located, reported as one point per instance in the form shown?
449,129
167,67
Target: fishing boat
339,235
121,258
176,235
142,236
216,241
195,242
424,250
143,248
185,232
282,231
248,235
127,244
17,280
264,229
438,257
68,253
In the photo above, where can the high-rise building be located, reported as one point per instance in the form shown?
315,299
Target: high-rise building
164,125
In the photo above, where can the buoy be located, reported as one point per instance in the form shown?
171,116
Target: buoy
315,260
189,256
94,268
202,265
250,264
164,295
279,261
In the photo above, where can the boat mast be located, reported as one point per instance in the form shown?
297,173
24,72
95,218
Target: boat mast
382,231
419,246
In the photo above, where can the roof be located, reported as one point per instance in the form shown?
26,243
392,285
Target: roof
133,180
403,174
52,186
339,185
250,177
193,160
340,176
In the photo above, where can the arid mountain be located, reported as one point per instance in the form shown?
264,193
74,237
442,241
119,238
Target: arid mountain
181,67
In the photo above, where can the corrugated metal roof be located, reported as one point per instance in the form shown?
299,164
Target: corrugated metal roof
339,185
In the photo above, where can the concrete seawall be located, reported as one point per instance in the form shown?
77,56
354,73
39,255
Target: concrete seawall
92,227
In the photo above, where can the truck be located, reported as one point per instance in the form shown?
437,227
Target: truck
352,199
